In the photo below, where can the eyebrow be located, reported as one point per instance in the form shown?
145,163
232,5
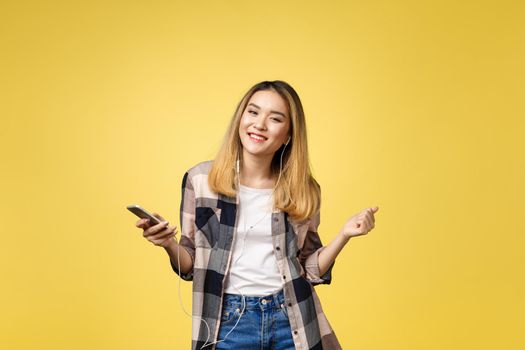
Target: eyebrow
276,112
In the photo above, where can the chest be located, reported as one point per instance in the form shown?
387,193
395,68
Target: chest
217,222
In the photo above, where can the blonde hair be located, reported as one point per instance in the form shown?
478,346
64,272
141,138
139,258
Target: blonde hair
297,192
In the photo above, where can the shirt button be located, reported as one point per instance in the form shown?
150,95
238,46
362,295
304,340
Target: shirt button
284,277
278,248
294,332
275,219
290,304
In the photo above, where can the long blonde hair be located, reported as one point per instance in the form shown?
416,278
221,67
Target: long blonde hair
297,192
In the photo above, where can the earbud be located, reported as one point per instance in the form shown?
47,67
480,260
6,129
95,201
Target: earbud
286,143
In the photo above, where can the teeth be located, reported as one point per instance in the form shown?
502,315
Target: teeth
257,137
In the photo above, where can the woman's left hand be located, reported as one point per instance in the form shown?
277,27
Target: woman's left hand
360,224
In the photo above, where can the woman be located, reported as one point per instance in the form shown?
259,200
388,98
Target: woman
249,222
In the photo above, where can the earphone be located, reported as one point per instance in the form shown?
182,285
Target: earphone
237,168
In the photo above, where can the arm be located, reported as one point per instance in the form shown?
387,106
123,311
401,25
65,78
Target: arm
329,253
186,262
357,225
186,244
316,271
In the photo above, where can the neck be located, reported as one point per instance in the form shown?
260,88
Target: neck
255,171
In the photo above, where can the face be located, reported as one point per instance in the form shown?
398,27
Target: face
265,123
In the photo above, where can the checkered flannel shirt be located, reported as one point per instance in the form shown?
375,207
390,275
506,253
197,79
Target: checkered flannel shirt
208,226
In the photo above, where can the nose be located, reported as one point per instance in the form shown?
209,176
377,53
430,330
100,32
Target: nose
259,124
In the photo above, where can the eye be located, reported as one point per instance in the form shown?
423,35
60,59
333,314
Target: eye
277,119
254,112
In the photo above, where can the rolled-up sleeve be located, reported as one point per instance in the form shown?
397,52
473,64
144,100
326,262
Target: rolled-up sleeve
309,255
187,225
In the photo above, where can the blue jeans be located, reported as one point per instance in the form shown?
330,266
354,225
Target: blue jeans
263,325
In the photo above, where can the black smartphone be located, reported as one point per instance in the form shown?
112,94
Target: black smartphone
143,214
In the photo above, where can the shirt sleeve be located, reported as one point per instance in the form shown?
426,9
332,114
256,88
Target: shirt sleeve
309,255
187,225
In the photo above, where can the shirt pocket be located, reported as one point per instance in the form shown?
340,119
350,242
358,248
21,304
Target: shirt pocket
207,223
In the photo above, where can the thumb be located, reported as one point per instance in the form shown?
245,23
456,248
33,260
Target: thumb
375,209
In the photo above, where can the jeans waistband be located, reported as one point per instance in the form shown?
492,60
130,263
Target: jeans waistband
274,300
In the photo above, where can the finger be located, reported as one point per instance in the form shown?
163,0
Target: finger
370,218
159,237
155,228
162,240
361,219
368,221
163,233
372,225
365,226
367,213
371,214
142,223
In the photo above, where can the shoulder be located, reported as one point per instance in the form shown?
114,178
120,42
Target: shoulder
196,178
199,170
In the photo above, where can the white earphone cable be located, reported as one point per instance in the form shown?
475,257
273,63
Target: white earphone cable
244,241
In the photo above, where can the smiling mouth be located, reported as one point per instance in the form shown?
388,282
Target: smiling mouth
257,138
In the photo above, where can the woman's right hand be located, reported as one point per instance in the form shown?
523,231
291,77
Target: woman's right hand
159,234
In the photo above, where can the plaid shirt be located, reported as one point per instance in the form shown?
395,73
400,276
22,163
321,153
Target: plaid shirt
208,226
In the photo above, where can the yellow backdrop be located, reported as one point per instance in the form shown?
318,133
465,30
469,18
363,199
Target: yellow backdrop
414,106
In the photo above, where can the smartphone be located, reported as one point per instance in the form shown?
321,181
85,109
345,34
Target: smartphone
143,214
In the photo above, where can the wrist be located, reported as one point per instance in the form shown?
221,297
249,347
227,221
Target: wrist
172,245
344,237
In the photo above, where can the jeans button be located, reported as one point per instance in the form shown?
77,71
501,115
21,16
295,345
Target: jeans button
263,301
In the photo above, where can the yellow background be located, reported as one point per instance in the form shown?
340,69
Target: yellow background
414,106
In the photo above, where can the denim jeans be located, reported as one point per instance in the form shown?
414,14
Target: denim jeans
263,325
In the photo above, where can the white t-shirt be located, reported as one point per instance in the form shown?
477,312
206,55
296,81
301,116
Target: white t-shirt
254,270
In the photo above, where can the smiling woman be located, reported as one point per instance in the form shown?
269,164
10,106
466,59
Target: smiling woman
249,221
263,264
268,130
